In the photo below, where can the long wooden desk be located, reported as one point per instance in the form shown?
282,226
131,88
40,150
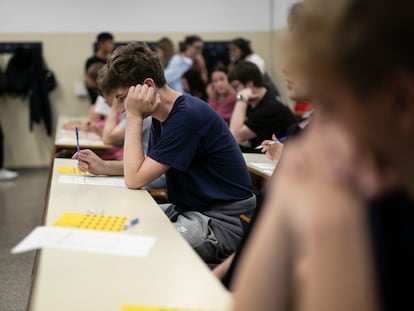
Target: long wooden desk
65,140
172,275
259,164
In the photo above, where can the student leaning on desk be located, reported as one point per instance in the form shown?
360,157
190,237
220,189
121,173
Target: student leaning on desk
207,179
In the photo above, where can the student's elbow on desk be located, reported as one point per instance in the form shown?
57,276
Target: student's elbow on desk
133,183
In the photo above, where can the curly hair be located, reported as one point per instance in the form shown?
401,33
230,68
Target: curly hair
130,65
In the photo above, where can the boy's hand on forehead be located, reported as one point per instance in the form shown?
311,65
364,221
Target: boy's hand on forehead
141,100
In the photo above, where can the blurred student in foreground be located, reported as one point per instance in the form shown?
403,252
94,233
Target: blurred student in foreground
335,233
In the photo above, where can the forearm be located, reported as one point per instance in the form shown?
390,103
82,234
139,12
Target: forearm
114,168
110,124
133,152
221,270
237,120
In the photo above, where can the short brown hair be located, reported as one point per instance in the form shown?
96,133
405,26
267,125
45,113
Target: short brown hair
130,65
362,41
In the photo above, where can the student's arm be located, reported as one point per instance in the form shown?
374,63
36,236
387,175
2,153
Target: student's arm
139,170
113,134
202,63
176,67
221,269
237,127
90,162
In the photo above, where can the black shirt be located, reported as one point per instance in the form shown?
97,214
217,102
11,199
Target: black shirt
92,60
391,220
270,116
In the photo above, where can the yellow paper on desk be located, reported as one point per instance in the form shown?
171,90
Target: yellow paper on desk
71,171
91,221
148,308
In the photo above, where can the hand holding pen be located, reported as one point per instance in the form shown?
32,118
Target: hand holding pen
273,148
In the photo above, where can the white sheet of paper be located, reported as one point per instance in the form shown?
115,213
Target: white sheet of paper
112,243
92,180
82,141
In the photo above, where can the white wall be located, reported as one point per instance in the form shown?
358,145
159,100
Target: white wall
80,16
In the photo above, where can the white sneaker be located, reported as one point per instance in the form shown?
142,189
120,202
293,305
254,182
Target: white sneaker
7,175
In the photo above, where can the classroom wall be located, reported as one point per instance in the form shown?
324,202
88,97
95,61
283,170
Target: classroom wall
68,30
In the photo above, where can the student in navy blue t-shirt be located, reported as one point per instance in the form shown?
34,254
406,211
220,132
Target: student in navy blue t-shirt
207,179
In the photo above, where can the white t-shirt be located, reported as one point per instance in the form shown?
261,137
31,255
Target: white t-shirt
257,60
101,106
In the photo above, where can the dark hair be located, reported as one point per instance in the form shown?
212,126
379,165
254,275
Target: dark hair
130,65
195,82
243,45
220,67
104,36
245,71
166,45
363,41
189,40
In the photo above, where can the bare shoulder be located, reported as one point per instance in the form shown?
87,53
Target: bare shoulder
312,199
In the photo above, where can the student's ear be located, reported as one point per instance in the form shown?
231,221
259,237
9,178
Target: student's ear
150,82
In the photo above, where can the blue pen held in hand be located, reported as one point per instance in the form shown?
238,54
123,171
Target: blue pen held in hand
130,223
282,139
77,142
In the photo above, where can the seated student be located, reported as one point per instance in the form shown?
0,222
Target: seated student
175,65
334,247
258,113
208,182
105,46
240,49
97,112
221,95
100,109
193,48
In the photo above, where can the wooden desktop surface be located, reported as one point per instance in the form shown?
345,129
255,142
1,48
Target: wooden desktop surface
254,161
66,139
172,275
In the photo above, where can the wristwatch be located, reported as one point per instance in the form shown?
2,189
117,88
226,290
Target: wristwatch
242,98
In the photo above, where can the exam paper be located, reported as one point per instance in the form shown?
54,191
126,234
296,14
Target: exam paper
87,241
93,180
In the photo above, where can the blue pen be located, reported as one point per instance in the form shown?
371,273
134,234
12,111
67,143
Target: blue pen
130,223
282,139
77,142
